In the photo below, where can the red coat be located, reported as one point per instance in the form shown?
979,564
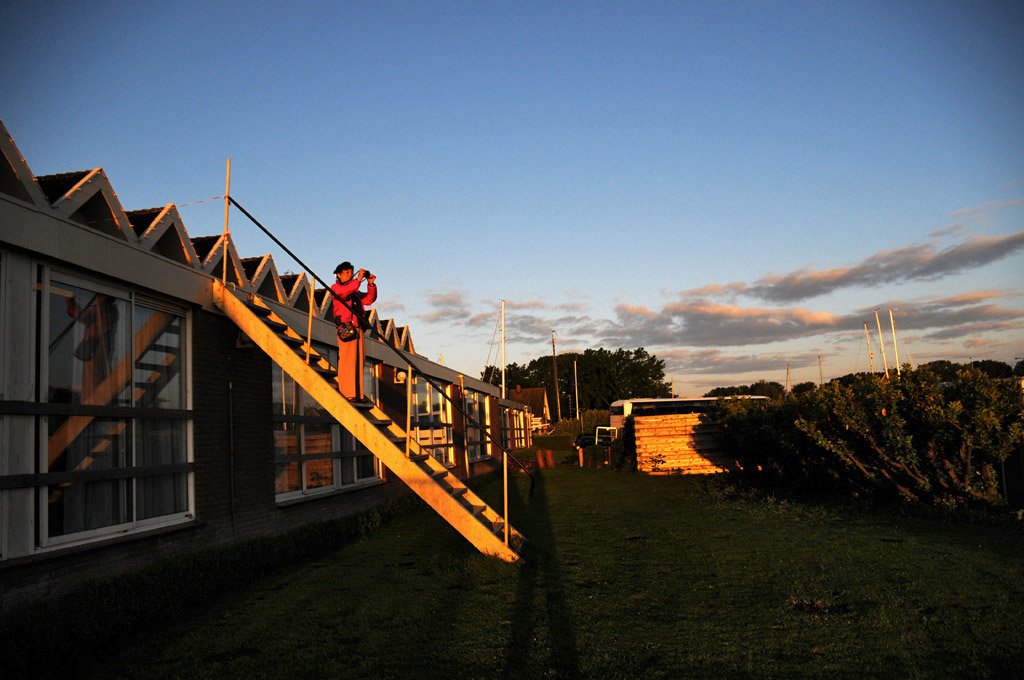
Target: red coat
356,300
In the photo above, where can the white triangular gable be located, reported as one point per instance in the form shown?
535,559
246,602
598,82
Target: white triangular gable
298,296
403,339
325,306
266,282
166,236
92,202
15,178
387,329
374,320
214,262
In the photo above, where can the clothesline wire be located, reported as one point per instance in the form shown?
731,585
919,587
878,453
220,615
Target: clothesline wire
205,200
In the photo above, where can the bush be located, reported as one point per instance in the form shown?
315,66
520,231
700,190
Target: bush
592,419
913,438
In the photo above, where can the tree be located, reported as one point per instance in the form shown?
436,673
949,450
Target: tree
770,389
804,387
762,387
945,370
994,369
727,391
604,376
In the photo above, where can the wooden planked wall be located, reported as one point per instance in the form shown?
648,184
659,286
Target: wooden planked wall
681,444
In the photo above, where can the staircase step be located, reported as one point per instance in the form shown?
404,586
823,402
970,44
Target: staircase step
275,325
459,491
418,457
293,341
380,422
259,310
439,474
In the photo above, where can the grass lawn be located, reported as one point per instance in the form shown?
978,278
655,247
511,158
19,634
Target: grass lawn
624,576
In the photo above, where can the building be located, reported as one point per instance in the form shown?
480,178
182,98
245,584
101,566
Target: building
536,398
161,394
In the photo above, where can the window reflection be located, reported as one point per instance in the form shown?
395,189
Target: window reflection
104,351
317,438
88,345
297,434
286,443
157,379
98,444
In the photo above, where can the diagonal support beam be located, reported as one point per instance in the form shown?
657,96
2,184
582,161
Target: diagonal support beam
458,505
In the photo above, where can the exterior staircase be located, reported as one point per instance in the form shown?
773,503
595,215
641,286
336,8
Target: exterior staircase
429,479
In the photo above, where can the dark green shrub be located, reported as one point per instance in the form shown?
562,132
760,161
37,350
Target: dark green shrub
914,437
592,419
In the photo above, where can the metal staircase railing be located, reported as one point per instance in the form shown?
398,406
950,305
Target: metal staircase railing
488,531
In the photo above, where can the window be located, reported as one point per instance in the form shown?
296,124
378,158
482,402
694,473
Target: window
114,447
312,453
371,385
477,445
506,427
432,420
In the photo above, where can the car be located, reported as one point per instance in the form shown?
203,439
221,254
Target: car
583,441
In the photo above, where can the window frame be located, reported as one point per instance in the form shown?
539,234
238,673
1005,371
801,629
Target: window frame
345,451
479,448
130,472
434,426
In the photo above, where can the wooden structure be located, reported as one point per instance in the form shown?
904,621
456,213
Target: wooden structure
408,459
681,443
536,398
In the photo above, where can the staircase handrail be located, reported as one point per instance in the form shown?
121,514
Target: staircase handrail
402,354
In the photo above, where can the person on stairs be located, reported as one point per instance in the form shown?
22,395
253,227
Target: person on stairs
350,319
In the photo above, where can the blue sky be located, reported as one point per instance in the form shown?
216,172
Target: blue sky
733,186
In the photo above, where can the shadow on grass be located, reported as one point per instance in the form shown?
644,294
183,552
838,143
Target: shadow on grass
540,571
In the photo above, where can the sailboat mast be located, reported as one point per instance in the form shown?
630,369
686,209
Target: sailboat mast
576,381
502,349
871,355
227,210
554,363
885,362
896,348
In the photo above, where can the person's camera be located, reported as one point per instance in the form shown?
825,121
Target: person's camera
366,274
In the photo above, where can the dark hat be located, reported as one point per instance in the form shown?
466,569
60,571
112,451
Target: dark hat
342,267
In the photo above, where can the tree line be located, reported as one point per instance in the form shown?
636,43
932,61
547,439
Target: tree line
602,376
945,371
